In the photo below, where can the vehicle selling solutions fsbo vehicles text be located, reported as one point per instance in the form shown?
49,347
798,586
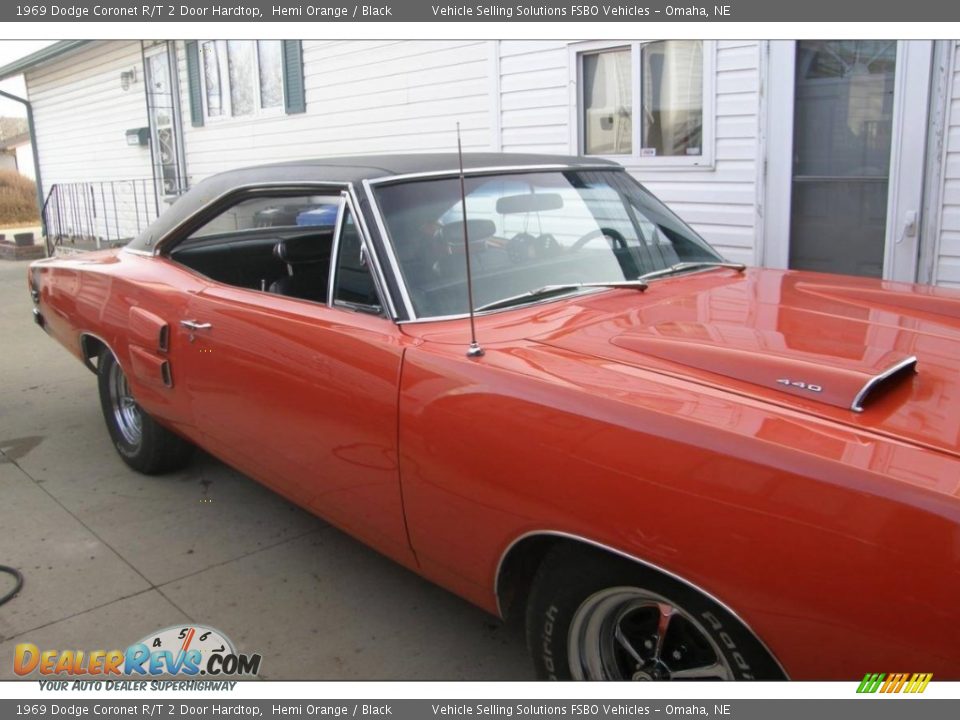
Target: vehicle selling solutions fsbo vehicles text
576,11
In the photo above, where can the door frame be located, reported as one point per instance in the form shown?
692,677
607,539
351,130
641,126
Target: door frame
908,147
168,48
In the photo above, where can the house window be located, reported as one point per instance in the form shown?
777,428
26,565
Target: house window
647,103
242,77
211,80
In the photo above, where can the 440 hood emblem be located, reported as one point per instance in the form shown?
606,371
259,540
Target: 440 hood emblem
800,384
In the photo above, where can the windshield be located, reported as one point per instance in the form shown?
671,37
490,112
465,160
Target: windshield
528,231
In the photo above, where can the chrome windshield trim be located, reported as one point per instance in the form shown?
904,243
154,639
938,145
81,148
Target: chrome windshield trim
291,185
135,251
391,255
872,383
489,170
634,558
369,185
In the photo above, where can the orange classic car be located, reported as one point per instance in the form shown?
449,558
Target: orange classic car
546,393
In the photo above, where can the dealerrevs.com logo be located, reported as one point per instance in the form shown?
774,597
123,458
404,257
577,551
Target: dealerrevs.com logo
191,650
895,682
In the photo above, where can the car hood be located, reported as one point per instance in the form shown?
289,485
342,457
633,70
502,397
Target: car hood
876,355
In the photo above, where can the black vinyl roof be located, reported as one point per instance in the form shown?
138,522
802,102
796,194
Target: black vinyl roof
340,170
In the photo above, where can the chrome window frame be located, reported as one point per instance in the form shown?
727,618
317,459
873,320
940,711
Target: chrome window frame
369,185
379,265
347,205
335,247
163,247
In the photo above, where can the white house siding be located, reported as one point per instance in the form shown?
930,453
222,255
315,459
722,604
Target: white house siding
401,96
534,96
948,265
81,114
363,97
719,202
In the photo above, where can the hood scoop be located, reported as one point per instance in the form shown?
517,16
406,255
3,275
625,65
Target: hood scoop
845,383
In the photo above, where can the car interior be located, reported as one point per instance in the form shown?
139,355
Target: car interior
283,262
284,249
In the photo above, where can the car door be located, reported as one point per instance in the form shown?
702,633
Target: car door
303,394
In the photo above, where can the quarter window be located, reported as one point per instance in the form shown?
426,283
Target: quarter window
241,77
645,101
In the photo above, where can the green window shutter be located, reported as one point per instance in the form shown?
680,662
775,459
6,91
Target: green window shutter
194,83
294,94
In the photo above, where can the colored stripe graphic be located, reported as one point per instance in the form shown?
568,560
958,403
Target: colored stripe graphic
894,683
918,682
871,682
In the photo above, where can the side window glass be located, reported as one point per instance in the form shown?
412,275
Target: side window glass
272,212
281,244
354,286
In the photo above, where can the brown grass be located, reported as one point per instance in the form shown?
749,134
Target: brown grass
18,199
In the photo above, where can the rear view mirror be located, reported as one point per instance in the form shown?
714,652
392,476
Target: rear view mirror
529,202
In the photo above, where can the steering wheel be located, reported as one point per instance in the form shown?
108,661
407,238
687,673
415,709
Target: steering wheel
614,237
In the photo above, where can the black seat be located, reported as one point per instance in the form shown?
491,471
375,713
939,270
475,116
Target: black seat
308,259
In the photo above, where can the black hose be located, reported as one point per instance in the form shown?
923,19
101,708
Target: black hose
16,588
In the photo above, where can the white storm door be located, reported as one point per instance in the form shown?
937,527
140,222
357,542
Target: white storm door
847,197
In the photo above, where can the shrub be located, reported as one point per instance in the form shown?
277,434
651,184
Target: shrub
18,199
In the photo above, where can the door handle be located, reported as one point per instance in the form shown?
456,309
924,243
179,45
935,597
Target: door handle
194,325
909,226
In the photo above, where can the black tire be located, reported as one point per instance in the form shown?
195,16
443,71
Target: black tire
142,443
580,596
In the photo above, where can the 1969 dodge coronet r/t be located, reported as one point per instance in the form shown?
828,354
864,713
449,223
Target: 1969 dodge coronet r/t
670,466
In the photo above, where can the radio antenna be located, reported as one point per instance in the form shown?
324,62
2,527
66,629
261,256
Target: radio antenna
474,350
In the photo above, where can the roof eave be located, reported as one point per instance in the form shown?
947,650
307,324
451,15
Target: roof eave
51,52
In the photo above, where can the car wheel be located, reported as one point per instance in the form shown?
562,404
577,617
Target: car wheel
143,444
596,616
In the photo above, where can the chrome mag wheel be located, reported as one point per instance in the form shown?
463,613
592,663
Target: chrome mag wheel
126,412
626,633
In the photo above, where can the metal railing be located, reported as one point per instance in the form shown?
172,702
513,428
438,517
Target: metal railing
94,215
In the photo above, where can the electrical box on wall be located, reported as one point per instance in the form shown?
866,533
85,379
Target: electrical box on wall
138,136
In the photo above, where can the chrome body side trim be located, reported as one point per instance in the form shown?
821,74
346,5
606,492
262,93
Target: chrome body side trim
872,383
627,556
83,350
